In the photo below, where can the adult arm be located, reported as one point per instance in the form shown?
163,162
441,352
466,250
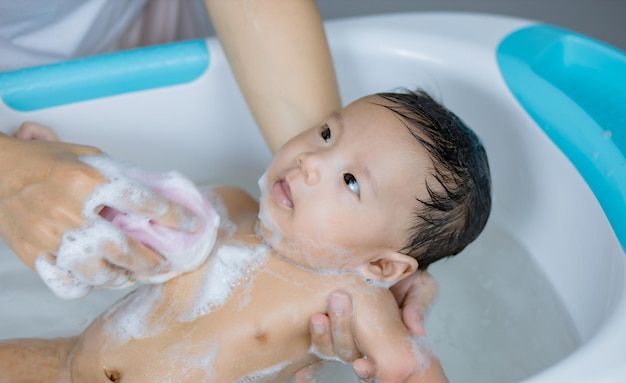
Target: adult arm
43,189
279,54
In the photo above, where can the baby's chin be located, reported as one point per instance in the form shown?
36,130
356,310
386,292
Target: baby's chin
267,228
307,252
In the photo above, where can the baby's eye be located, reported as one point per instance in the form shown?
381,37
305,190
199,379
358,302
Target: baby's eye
353,185
325,133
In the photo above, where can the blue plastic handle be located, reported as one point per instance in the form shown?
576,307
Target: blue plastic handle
104,75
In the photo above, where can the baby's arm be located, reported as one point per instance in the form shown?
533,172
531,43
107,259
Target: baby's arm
399,355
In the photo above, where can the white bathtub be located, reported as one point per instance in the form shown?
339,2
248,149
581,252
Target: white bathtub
549,259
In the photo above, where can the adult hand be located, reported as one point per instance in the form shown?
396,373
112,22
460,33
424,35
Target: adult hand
331,334
43,193
415,295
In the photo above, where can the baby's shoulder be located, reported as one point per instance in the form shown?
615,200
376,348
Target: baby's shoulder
233,198
233,204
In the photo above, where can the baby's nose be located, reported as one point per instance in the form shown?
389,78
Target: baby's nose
309,165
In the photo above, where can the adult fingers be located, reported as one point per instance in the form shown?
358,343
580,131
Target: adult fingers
365,370
99,238
321,338
307,374
340,316
128,196
34,131
413,318
415,295
128,191
62,282
135,257
407,293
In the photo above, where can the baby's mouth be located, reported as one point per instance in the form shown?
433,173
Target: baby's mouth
282,193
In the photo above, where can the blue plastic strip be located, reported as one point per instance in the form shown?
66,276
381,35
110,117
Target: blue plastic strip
104,75
575,89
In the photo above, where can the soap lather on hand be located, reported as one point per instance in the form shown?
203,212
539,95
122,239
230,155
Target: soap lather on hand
95,254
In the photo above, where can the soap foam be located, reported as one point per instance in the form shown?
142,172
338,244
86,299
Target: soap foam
131,317
128,185
422,352
265,219
84,259
227,268
227,226
334,358
190,357
78,266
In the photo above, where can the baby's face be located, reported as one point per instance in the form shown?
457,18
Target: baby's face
339,193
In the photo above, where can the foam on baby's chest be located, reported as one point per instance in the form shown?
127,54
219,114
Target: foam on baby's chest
148,311
230,267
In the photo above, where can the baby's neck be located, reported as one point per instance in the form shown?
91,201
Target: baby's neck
262,233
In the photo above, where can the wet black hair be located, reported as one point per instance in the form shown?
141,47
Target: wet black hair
459,186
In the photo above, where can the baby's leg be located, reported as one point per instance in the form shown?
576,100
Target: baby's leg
35,360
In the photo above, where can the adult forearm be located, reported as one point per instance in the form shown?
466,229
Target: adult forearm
48,193
279,54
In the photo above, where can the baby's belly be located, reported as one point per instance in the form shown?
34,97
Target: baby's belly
162,358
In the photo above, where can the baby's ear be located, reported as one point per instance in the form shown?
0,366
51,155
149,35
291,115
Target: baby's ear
389,268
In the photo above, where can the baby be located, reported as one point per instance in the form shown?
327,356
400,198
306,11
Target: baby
390,184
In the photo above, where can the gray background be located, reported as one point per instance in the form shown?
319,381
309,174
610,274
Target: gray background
604,20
